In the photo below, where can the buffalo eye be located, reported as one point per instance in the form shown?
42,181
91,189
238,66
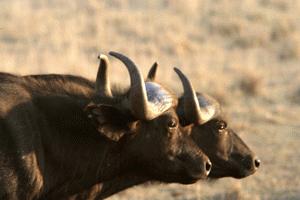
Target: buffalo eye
221,125
172,123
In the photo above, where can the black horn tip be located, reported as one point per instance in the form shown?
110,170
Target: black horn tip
177,70
113,53
121,57
152,72
179,73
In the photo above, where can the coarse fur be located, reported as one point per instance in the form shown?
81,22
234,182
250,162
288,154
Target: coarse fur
50,147
230,157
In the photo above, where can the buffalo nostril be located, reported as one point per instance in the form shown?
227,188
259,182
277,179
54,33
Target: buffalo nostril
208,167
256,163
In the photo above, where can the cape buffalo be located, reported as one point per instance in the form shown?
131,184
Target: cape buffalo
230,156
59,135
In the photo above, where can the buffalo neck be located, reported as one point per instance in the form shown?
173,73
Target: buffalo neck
111,187
120,183
76,156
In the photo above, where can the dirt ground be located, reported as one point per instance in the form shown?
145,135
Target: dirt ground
245,53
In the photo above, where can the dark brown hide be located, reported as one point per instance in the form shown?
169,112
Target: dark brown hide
230,157
229,154
51,149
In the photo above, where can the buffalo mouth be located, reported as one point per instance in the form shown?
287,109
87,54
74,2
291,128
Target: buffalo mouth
182,178
180,172
169,178
228,170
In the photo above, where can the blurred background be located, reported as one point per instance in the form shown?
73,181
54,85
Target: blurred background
244,53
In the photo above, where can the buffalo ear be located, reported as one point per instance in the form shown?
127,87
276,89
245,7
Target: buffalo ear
109,121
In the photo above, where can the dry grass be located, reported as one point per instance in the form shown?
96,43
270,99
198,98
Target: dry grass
250,83
296,97
247,53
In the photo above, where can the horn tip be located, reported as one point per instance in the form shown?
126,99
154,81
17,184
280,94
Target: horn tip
177,70
113,53
102,57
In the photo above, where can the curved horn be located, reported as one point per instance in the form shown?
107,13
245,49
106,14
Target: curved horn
137,96
191,104
193,112
102,81
152,72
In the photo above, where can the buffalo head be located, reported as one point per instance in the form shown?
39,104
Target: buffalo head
229,155
145,123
